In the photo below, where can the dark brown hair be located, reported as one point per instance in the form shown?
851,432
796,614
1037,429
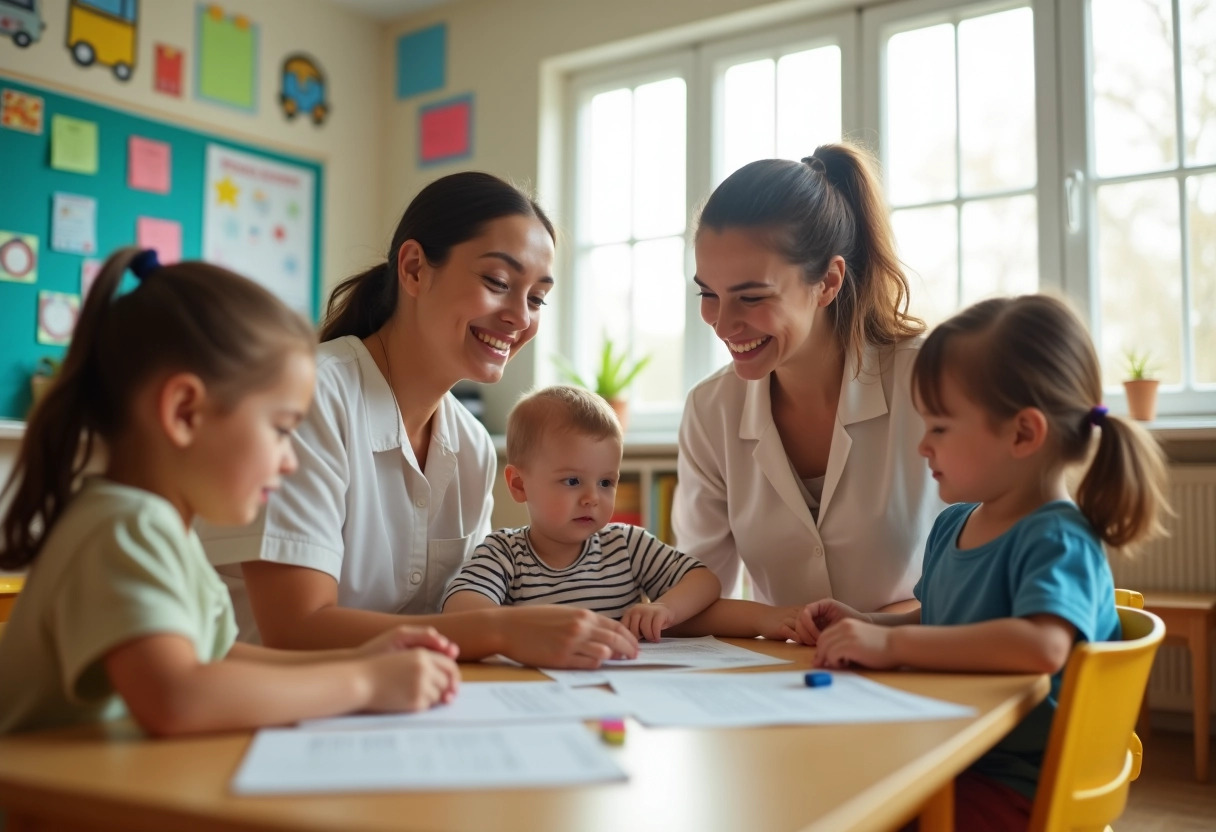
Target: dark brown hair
1007,354
554,409
828,204
191,317
447,212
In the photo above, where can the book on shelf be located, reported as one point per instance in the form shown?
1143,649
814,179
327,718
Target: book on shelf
628,503
663,493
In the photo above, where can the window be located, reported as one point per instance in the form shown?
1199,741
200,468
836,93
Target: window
1027,144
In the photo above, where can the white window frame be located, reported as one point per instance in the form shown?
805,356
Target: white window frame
1062,134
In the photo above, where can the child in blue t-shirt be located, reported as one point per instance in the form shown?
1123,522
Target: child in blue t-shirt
1014,574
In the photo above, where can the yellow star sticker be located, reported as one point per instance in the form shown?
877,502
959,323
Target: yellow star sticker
227,191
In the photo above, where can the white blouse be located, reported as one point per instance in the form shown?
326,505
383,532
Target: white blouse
739,503
359,508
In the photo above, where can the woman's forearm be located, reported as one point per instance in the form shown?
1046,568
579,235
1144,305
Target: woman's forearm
478,633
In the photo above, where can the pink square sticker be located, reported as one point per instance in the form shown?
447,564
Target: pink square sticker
163,235
446,130
149,165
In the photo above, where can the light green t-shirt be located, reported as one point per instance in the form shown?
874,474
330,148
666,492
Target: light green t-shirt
118,565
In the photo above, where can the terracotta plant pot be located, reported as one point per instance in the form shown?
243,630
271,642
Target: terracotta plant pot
1142,399
621,408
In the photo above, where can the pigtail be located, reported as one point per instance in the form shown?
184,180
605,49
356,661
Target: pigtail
49,461
1123,491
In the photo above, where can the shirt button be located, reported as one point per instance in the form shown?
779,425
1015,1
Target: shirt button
415,578
818,551
421,503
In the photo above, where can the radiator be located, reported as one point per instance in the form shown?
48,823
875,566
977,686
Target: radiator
1184,561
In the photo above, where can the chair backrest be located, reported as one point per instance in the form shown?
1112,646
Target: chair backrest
1129,598
1089,759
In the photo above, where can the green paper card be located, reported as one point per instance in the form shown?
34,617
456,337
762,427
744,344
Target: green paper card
73,145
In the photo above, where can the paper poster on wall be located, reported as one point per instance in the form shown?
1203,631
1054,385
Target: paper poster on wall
165,236
73,145
258,221
445,130
21,111
104,32
168,78
57,314
227,55
89,269
422,60
74,224
149,165
18,257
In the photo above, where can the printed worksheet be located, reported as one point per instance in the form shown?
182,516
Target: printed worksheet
672,654
482,703
720,700
293,760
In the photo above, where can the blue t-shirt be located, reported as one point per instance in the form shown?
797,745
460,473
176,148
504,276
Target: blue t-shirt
1049,562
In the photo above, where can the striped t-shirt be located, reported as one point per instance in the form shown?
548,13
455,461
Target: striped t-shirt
618,563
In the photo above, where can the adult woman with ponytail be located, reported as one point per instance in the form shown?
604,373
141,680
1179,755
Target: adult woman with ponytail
394,486
798,462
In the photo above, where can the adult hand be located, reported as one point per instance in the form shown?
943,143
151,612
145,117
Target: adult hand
818,616
403,637
777,623
853,641
560,636
648,620
410,680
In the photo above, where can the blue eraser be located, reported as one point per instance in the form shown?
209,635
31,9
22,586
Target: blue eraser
818,679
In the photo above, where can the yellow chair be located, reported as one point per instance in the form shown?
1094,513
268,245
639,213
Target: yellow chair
1092,753
1129,598
10,588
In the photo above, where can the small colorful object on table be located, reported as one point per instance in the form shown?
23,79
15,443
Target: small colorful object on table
612,731
817,679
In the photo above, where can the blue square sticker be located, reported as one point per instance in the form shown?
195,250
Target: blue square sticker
422,60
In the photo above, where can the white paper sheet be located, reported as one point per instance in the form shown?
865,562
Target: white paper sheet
714,700
482,703
282,761
672,654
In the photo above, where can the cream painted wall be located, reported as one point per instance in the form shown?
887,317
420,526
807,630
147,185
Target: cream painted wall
499,50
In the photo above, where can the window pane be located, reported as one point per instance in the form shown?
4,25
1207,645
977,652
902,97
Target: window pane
996,101
1140,276
1000,248
808,101
608,167
1133,92
1201,193
928,246
659,139
748,117
1199,79
920,115
658,319
606,302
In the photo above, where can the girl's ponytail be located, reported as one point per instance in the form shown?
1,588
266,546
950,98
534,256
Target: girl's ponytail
1123,491
60,433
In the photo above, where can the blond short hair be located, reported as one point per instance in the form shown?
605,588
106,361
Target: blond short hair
557,408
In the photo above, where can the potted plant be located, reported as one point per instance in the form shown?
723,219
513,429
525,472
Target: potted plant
44,376
1140,386
612,379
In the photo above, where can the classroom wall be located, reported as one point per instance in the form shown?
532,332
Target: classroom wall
350,143
497,50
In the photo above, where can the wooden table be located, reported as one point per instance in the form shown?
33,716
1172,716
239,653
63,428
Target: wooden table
812,778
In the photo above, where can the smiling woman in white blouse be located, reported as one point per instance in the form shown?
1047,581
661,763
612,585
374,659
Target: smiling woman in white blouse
799,461
393,491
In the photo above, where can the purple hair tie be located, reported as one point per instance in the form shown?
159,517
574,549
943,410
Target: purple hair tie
144,263
1097,415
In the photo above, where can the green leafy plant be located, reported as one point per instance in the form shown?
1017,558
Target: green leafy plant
614,375
1138,364
48,366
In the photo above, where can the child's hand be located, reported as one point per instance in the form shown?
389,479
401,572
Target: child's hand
403,637
853,641
411,680
818,616
648,620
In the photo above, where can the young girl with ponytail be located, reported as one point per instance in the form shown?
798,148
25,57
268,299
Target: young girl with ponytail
194,382
1015,572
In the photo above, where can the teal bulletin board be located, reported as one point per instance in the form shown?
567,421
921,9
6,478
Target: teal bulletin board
28,184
